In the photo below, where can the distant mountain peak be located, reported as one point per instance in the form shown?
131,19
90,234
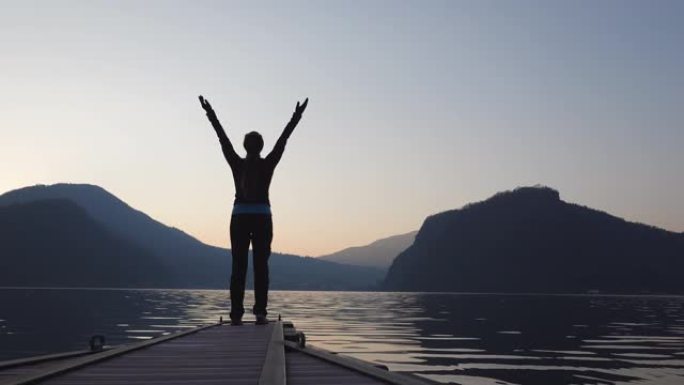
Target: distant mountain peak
379,253
536,192
525,195
40,186
60,190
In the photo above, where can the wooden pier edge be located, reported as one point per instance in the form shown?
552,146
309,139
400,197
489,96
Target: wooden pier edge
96,357
47,357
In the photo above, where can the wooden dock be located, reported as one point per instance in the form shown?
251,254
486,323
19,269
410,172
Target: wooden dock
273,354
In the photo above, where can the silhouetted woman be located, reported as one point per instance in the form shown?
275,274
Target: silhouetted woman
251,217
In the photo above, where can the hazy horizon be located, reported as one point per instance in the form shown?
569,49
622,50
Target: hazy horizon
415,108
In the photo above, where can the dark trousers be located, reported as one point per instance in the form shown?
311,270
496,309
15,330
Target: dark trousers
257,229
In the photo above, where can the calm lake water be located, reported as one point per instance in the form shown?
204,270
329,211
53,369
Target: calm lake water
450,338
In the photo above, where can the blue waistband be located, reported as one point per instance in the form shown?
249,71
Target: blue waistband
251,208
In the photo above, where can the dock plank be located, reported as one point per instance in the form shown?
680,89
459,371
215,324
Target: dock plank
10,374
220,355
303,369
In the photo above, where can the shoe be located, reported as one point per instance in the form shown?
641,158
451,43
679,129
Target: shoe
261,320
236,321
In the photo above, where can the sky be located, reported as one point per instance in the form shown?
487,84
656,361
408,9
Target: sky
416,107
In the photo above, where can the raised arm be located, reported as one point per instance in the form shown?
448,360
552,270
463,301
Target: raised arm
277,152
227,147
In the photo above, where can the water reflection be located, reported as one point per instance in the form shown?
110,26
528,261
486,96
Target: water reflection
451,338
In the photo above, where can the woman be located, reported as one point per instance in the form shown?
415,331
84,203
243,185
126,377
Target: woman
251,216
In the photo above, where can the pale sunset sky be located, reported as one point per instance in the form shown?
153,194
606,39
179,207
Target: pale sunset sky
416,107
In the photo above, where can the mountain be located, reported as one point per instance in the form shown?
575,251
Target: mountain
529,240
53,243
192,263
378,254
306,273
176,249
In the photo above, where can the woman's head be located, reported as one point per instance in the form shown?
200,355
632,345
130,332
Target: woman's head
253,143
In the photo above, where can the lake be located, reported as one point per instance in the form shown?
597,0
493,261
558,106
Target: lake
470,339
